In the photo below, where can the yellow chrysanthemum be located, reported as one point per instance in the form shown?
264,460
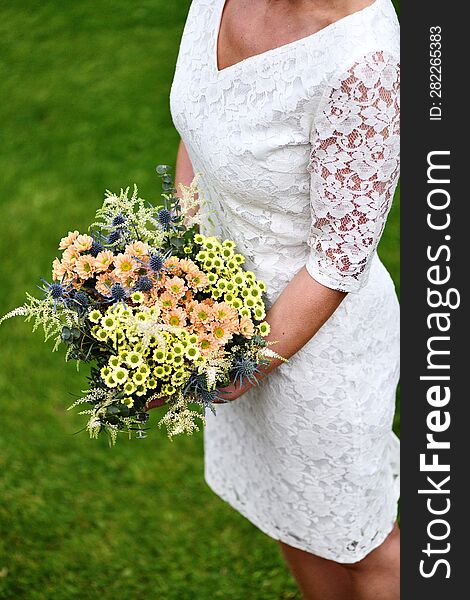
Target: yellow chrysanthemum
110,381
192,353
129,402
94,316
264,328
120,374
159,372
109,321
134,359
259,313
104,372
129,388
159,355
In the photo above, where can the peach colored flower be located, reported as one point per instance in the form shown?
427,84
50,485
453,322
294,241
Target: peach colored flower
85,266
70,255
247,328
175,317
172,263
197,280
168,301
160,282
188,297
124,265
176,286
139,249
207,344
77,283
104,283
221,331
60,271
223,311
83,243
188,266
103,261
129,280
201,314
67,241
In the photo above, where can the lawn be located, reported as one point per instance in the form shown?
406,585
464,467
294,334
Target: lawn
85,107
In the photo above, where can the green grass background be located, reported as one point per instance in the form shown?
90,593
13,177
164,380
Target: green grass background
84,107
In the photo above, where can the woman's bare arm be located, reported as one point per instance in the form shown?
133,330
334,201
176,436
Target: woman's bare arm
184,170
302,308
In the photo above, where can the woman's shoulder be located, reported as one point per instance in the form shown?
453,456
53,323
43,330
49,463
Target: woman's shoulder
373,30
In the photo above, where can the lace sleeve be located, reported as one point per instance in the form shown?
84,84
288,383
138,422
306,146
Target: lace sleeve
354,165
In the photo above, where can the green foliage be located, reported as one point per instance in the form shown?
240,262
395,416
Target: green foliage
85,107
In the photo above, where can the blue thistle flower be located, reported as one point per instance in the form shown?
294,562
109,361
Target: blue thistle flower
96,248
79,301
114,237
56,291
118,293
165,217
208,396
118,220
244,368
156,262
145,284
197,383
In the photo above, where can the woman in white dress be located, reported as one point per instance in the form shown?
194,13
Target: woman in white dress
289,111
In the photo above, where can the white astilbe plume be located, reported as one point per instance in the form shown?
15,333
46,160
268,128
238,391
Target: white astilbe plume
192,203
43,314
181,419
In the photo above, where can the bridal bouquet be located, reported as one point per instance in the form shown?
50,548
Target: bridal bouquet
160,310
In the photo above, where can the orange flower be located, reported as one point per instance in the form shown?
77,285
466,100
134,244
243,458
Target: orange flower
124,265
85,266
197,280
247,328
188,266
168,301
129,280
139,249
103,261
175,317
60,271
172,263
201,314
83,243
223,311
176,286
188,297
67,241
104,283
207,344
70,255
221,331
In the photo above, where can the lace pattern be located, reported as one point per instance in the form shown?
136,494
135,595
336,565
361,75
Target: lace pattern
354,170
297,151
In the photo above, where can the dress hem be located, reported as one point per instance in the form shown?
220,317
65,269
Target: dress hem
279,538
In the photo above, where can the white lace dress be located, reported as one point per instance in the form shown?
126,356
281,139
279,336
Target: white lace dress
298,149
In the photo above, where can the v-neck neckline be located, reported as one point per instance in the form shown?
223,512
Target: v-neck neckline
272,51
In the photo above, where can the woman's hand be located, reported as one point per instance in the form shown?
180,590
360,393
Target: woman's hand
232,392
